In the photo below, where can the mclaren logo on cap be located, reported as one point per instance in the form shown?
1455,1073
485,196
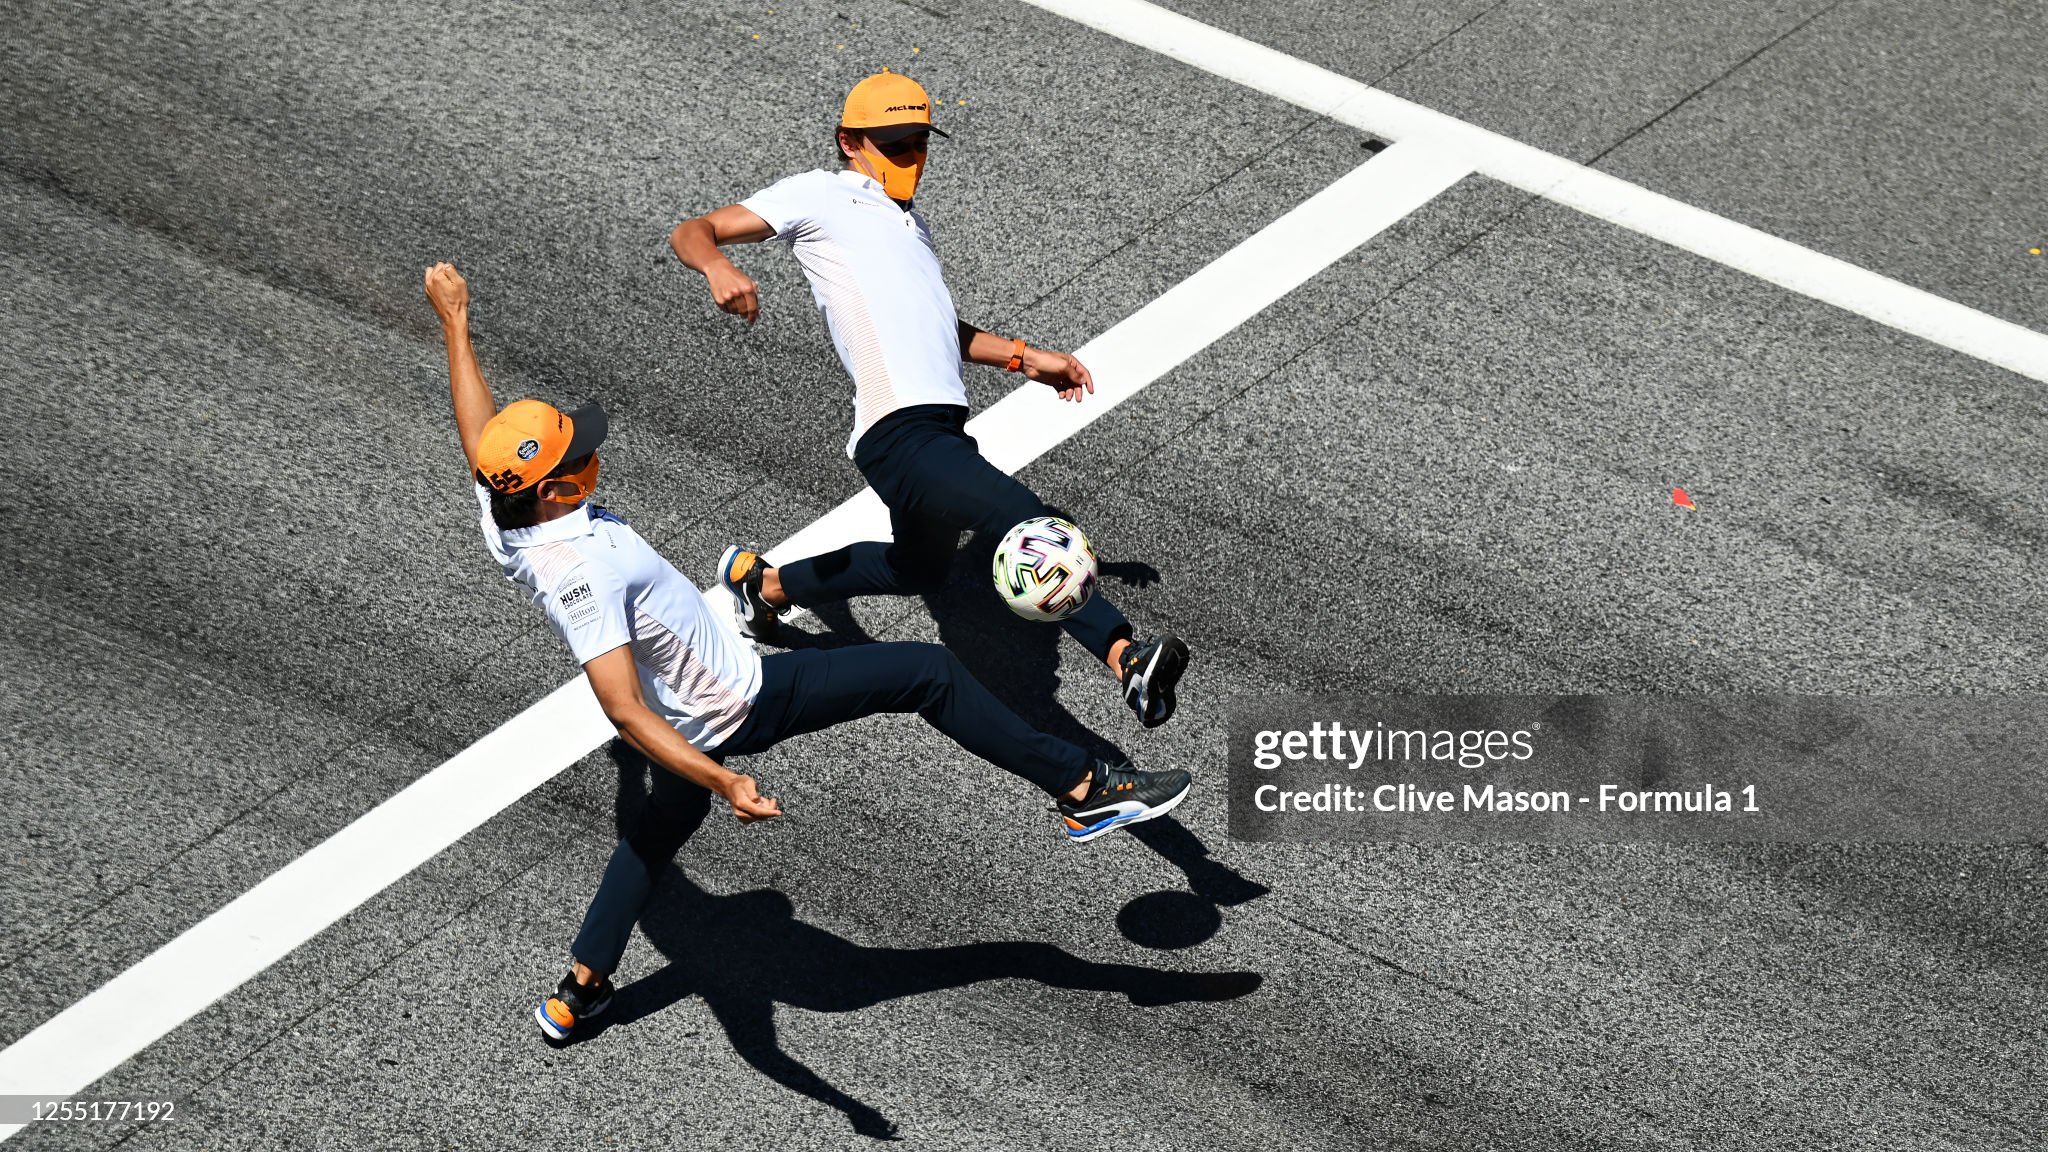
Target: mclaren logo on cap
528,449
906,108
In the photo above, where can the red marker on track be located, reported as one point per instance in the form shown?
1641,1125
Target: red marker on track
1684,501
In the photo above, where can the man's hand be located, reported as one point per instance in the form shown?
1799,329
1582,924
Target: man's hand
1064,373
449,293
747,802
733,290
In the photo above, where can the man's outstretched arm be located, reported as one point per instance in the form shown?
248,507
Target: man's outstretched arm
616,682
696,242
474,407
1057,369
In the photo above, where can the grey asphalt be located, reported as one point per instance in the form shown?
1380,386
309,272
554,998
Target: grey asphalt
246,601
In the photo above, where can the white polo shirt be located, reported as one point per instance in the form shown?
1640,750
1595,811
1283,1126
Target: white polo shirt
602,586
876,278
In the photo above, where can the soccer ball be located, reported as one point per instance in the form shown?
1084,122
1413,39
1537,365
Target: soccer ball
1044,569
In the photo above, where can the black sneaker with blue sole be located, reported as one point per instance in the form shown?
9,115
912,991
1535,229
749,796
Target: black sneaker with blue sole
1120,795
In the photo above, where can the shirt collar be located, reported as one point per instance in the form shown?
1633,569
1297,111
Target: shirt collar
853,176
576,523
867,183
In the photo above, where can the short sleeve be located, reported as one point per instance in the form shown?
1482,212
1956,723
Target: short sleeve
587,607
786,205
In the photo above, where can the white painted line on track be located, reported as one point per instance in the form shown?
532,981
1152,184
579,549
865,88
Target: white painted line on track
71,1050
1567,182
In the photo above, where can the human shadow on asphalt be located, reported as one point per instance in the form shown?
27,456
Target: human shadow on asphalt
745,953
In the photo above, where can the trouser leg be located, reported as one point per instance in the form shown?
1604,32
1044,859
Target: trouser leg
912,564
833,686
973,493
674,809
803,692
936,484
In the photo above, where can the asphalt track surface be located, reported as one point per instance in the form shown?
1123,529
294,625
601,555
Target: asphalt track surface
245,600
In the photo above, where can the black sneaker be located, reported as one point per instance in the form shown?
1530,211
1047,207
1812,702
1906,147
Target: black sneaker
740,572
1150,669
1120,794
571,1005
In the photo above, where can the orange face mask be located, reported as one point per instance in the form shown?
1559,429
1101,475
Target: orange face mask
897,174
584,478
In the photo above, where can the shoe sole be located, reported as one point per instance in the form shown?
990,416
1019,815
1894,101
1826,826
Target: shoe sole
1152,813
1178,649
553,1031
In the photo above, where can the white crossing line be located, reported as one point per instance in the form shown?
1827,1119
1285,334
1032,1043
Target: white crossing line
1533,170
71,1050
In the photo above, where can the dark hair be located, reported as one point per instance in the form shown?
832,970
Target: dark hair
521,509
840,153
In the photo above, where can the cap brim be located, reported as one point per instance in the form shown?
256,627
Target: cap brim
891,133
589,425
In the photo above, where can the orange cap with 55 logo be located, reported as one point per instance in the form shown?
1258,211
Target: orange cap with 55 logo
528,439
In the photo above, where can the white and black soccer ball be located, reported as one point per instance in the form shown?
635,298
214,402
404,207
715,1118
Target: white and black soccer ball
1044,569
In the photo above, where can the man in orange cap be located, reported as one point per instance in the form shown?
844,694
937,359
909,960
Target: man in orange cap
687,691
875,274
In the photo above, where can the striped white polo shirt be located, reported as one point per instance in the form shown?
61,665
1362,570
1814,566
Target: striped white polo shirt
876,278
602,586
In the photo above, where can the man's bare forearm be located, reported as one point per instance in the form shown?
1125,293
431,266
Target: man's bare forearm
615,679
665,746
1058,370
448,292
979,347
696,244
474,405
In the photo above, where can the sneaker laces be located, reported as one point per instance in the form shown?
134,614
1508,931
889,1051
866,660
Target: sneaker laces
1113,778
1132,653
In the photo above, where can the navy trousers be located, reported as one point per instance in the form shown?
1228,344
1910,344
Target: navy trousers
802,692
930,473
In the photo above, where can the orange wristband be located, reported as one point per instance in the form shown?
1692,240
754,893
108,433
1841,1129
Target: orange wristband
1016,356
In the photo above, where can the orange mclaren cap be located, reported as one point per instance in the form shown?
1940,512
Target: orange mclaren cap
529,439
888,106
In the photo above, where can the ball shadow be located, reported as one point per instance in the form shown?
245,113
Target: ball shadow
1168,920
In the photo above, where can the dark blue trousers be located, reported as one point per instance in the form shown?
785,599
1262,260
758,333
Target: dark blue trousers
802,692
930,473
